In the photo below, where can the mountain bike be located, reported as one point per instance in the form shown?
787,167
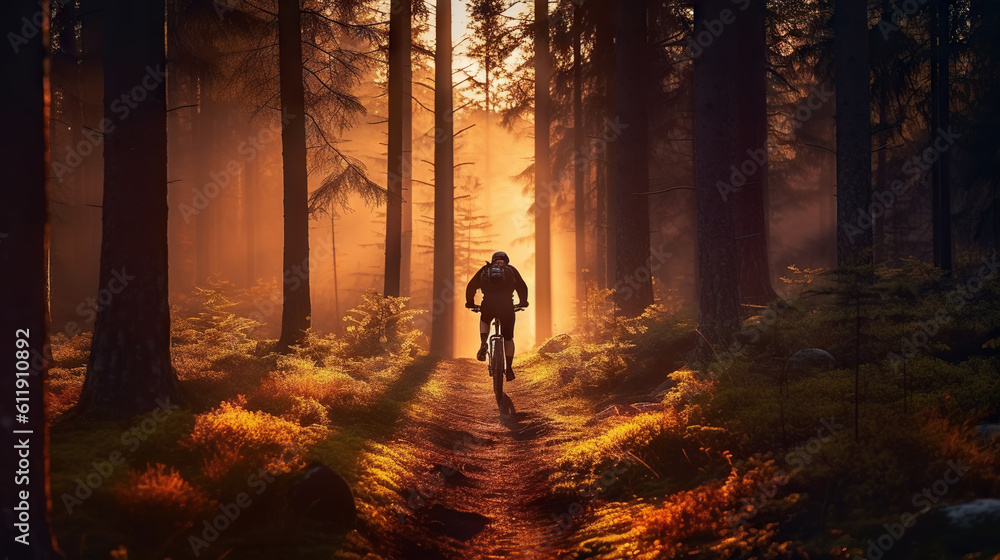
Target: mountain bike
495,362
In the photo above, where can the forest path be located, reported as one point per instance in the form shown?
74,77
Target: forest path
479,486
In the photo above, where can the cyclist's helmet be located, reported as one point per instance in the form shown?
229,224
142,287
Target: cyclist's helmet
500,255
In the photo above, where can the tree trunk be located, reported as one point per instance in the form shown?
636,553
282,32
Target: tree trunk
750,201
544,190
295,261
633,275
604,51
487,149
717,260
207,129
600,225
399,58
852,72
251,183
178,160
941,120
827,188
129,371
406,231
881,173
443,294
580,166
24,260
338,322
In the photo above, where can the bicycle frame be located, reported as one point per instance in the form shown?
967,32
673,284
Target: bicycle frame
495,360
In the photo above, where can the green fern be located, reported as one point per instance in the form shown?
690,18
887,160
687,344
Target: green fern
381,325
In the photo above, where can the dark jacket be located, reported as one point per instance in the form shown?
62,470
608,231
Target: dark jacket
504,297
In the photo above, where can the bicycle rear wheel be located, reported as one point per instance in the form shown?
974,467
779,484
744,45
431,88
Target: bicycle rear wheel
497,368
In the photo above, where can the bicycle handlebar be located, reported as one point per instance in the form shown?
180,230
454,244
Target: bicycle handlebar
479,308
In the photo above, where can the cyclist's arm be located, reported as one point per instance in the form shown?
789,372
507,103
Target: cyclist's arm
470,290
520,287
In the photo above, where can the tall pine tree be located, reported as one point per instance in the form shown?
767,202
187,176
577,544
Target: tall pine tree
443,300
129,371
633,276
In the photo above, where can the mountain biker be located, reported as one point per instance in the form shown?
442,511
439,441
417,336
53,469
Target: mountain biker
498,282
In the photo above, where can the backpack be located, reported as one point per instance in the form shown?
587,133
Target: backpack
493,279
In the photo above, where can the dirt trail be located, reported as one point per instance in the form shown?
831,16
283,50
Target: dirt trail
479,487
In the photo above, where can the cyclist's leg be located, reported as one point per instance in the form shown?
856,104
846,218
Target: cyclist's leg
507,330
485,316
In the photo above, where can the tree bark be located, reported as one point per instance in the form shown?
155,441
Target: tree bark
251,184
91,169
129,371
338,323
750,201
633,274
487,149
544,189
24,282
207,129
600,225
881,173
178,152
604,51
852,72
443,295
295,314
406,232
713,147
941,120
399,58
579,165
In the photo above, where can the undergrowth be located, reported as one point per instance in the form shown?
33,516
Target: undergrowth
676,446
256,416
749,454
